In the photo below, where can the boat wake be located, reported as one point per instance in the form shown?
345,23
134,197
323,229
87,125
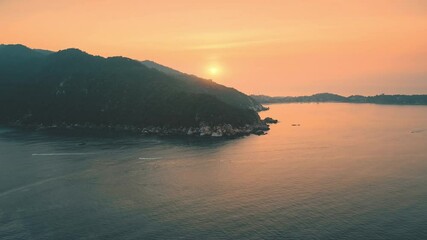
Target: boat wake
149,158
62,154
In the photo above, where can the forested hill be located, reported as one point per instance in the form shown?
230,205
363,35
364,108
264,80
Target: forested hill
74,87
198,85
328,97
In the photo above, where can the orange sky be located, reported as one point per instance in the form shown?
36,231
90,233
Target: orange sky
274,47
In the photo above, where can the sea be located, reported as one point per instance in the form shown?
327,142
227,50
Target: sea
325,171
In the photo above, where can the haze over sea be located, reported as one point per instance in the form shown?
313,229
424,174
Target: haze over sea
348,171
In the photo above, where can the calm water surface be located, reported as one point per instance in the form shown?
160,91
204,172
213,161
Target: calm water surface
348,171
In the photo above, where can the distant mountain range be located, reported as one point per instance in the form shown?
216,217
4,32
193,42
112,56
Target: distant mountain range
329,97
73,88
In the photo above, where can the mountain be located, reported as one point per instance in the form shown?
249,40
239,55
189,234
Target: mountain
169,71
195,84
72,87
329,97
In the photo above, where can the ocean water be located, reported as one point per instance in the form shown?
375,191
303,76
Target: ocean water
348,171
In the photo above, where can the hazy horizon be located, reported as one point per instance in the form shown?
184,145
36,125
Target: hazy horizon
277,48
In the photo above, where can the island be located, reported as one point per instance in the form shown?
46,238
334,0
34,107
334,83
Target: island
330,97
73,89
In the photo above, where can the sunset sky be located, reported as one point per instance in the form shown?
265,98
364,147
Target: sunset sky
274,47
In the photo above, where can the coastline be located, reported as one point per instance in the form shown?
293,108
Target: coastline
203,130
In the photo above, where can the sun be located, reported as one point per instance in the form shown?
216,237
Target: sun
214,70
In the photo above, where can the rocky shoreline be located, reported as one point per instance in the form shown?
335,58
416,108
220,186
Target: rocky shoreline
203,130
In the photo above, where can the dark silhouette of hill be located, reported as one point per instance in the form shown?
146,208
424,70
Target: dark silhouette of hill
164,69
328,97
204,86
74,87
